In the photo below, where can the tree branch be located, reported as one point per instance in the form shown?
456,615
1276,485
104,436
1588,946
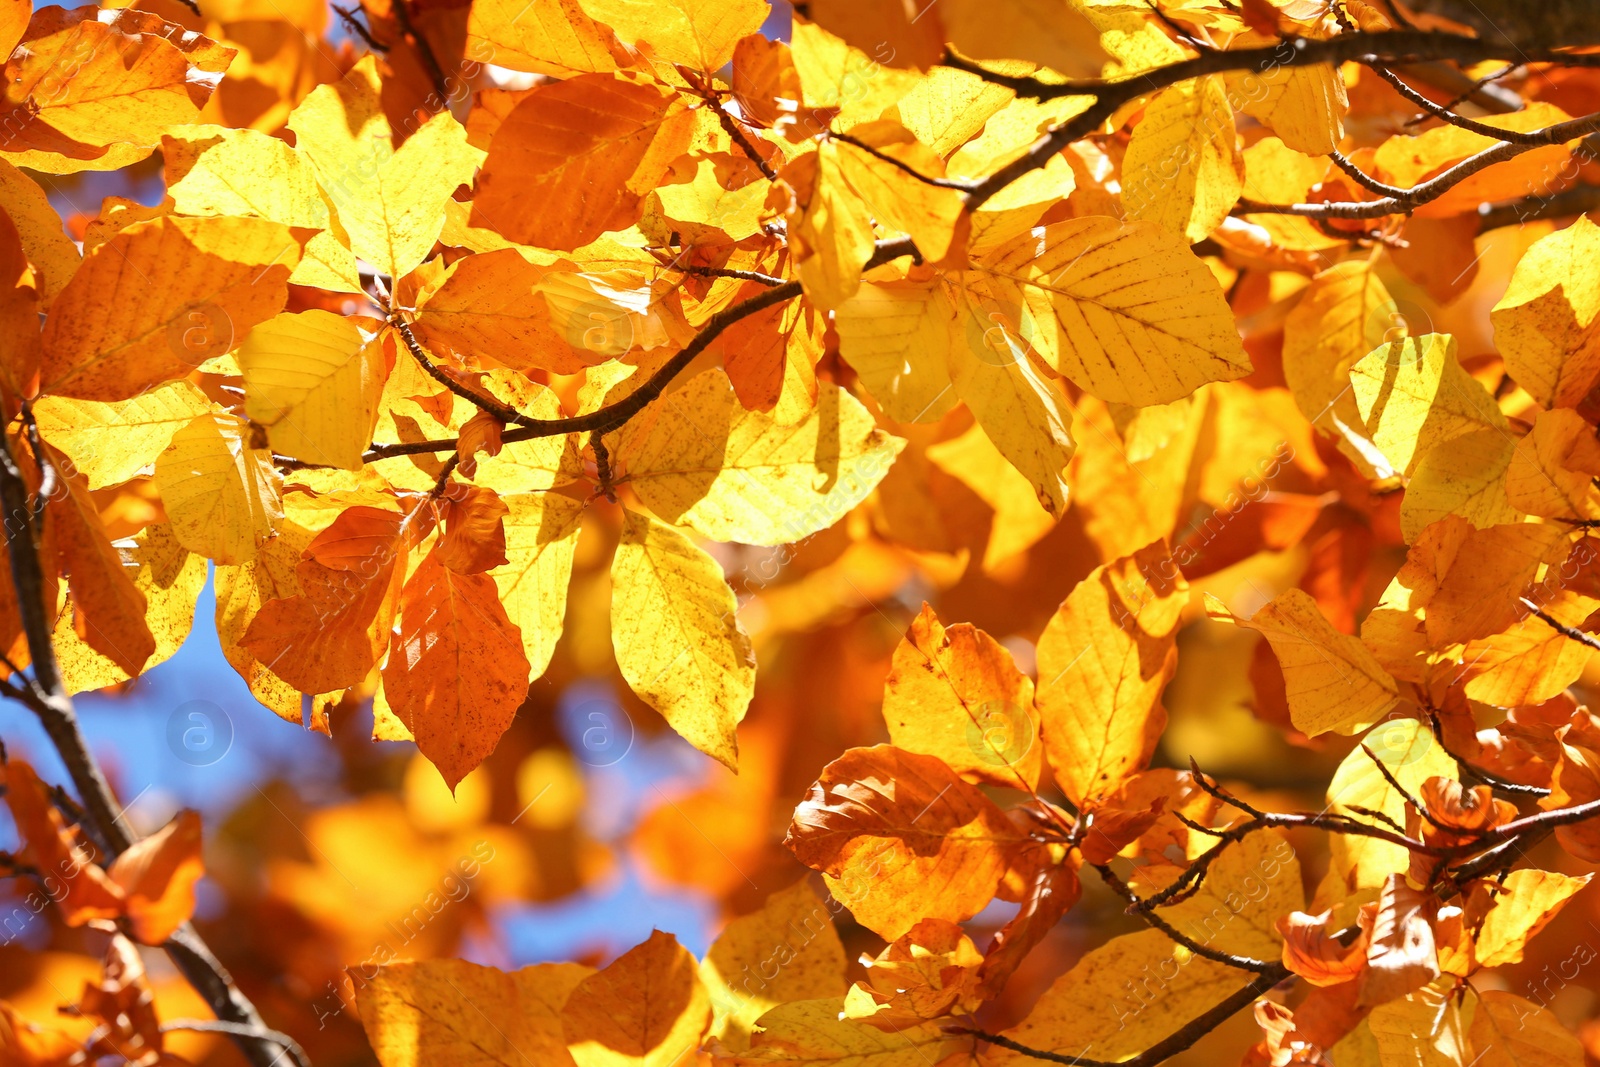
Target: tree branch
613,416
1402,46
1123,889
1183,1037
441,84
1433,188
49,700
1560,627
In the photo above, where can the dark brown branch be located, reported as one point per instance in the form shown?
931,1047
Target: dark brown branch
1579,200
441,84
1477,86
48,699
1108,96
217,1026
729,124
613,416
1433,188
1126,891
960,184
1183,1037
1560,627
1362,178
729,272
504,412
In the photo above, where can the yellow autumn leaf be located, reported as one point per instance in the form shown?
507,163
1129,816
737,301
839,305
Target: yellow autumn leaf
677,638
391,201
1553,470
1304,105
222,494
434,1012
1532,661
313,379
111,442
1333,680
813,1033
898,337
1414,396
1512,1031
1412,756
1470,479
213,170
551,37
1546,325
1524,904
171,578
52,254
541,534
786,951
1182,168
646,1009
897,199
160,298
830,229
1342,316
700,459
241,590
835,75
1427,1028
1023,412
955,692
1130,1019
696,33
1125,310
1104,658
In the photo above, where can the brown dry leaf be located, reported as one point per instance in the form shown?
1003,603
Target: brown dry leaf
899,838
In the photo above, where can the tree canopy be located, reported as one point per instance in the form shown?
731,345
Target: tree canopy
1104,489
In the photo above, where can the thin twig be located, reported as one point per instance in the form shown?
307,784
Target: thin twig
1123,889
504,412
359,28
103,818
1169,1046
1433,188
441,84
1444,114
614,415
960,184
730,126
218,1026
1560,627
1362,178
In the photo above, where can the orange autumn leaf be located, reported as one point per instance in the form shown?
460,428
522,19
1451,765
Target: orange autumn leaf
1104,658
955,692
648,1007
456,671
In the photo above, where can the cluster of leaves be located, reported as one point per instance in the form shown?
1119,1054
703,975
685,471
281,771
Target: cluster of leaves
928,285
